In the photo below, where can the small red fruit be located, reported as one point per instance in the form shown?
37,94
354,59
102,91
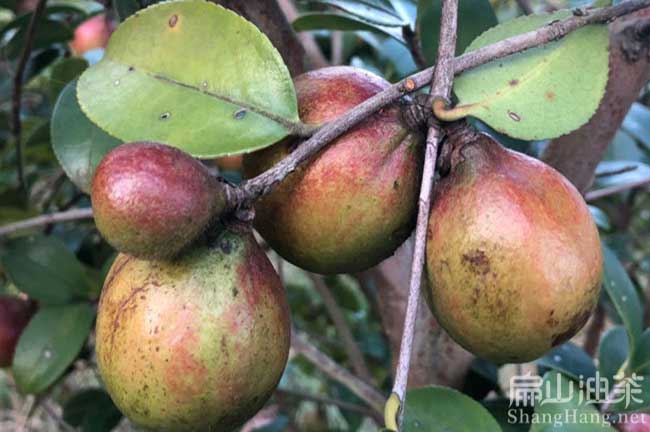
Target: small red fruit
92,33
637,422
15,314
152,200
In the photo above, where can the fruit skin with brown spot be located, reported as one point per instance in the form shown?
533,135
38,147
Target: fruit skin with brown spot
15,314
197,344
354,203
151,200
513,256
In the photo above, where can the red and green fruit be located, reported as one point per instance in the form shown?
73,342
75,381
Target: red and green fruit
91,34
197,344
15,314
513,256
152,201
354,203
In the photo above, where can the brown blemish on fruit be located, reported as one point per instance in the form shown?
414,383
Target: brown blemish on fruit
477,262
513,82
514,116
173,20
549,95
575,326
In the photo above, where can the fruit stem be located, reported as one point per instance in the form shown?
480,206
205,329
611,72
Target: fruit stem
440,89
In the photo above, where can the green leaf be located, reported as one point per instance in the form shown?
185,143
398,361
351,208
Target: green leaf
631,171
569,359
625,147
49,32
78,143
539,93
631,395
474,17
378,12
637,122
44,269
441,409
600,218
552,415
64,72
125,8
613,352
501,410
92,410
49,344
336,21
212,84
640,361
623,295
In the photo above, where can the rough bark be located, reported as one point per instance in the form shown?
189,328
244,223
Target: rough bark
577,154
436,358
269,18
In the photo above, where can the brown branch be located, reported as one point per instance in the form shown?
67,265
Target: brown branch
613,190
361,389
577,154
312,50
594,331
412,38
440,88
46,219
16,127
342,328
265,182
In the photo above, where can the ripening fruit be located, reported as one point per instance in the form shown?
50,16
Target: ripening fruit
151,200
513,256
197,344
91,34
354,203
15,314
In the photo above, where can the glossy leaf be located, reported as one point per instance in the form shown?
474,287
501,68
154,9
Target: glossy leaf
569,359
211,84
378,12
49,344
600,217
630,171
337,21
552,414
539,93
474,17
637,122
623,295
640,362
92,410
49,32
625,147
613,351
44,269
63,72
125,8
78,143
441,409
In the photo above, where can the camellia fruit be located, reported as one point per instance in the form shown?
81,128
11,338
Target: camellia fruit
91,34
354,203
513,256
197,344
15,314
151,200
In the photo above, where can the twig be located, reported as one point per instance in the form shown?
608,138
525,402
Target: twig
16,127
328,401
412,38
618,171
525,6
265,182
362,390
343,329
46,219
612,190
312,50
440,88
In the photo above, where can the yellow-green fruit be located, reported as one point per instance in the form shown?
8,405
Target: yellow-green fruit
513,256
197,344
